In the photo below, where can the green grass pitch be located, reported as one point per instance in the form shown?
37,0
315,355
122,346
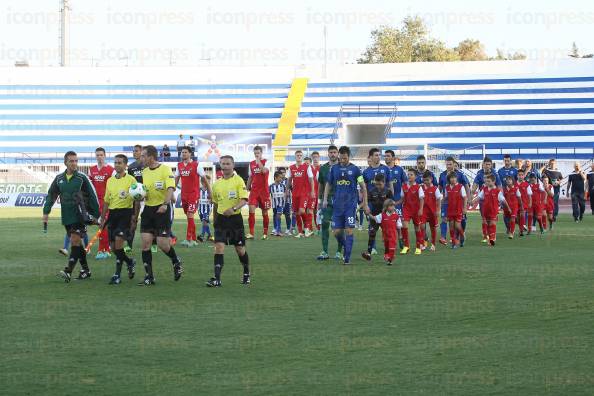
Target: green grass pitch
514,319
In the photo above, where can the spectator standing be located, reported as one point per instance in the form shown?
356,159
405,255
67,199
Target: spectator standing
576,189
165,153
181,142
192,146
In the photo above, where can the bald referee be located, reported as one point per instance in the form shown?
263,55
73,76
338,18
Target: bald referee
229,195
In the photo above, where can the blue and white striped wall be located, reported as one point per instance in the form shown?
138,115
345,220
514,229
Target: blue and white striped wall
502,105
522,112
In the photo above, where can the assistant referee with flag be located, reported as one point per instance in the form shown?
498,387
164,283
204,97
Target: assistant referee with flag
229,195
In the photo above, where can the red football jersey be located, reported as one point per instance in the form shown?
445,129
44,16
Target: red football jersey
412,197
315,170
432,194
491,198
389,224
512,196
526,192
536,188
547,200
300,179
189,175
455,195
259,178
99,179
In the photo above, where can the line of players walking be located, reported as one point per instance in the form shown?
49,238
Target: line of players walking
312,197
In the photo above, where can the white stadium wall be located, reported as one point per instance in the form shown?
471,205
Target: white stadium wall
542,109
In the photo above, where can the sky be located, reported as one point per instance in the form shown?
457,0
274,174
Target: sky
267,32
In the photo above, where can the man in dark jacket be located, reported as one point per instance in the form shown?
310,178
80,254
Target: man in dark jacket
80,207
576,188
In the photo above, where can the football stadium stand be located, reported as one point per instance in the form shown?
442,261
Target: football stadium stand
531,109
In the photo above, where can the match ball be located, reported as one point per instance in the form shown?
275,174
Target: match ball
137,191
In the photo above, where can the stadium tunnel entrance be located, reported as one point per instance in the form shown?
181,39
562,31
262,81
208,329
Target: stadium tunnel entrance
356,134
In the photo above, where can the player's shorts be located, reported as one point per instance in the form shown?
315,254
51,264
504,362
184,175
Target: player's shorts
536,209
490,215
189,204
118,223
158,224
260,200
76,228
406,217
229,230
430,218
204,216
299,202
513,213
344,217
287,208
456,218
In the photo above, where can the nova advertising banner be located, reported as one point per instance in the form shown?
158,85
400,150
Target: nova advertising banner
22,194
209,147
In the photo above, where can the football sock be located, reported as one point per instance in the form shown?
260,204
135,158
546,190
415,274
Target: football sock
171,254
405,237
485,230
245,261
72,260
419,238
443,228
252,222
348,247
66,242
464,222
218,265
299,221
82,258
265,222
492,229
147,261
433,234
191,230
512,224
325,235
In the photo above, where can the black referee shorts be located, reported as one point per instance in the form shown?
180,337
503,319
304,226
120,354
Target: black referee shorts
229,230
76,228
118,223
158,224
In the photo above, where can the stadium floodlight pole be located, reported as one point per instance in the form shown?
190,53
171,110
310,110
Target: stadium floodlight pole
64,25
325,70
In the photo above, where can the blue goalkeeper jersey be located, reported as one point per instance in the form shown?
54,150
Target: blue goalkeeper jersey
344,180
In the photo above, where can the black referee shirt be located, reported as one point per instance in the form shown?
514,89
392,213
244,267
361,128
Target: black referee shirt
135,169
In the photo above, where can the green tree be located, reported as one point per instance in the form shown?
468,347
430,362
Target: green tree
412,42
471,50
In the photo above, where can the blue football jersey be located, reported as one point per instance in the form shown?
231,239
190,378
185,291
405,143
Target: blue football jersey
344,180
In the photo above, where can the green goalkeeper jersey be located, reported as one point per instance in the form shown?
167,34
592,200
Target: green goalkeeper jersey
322,179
